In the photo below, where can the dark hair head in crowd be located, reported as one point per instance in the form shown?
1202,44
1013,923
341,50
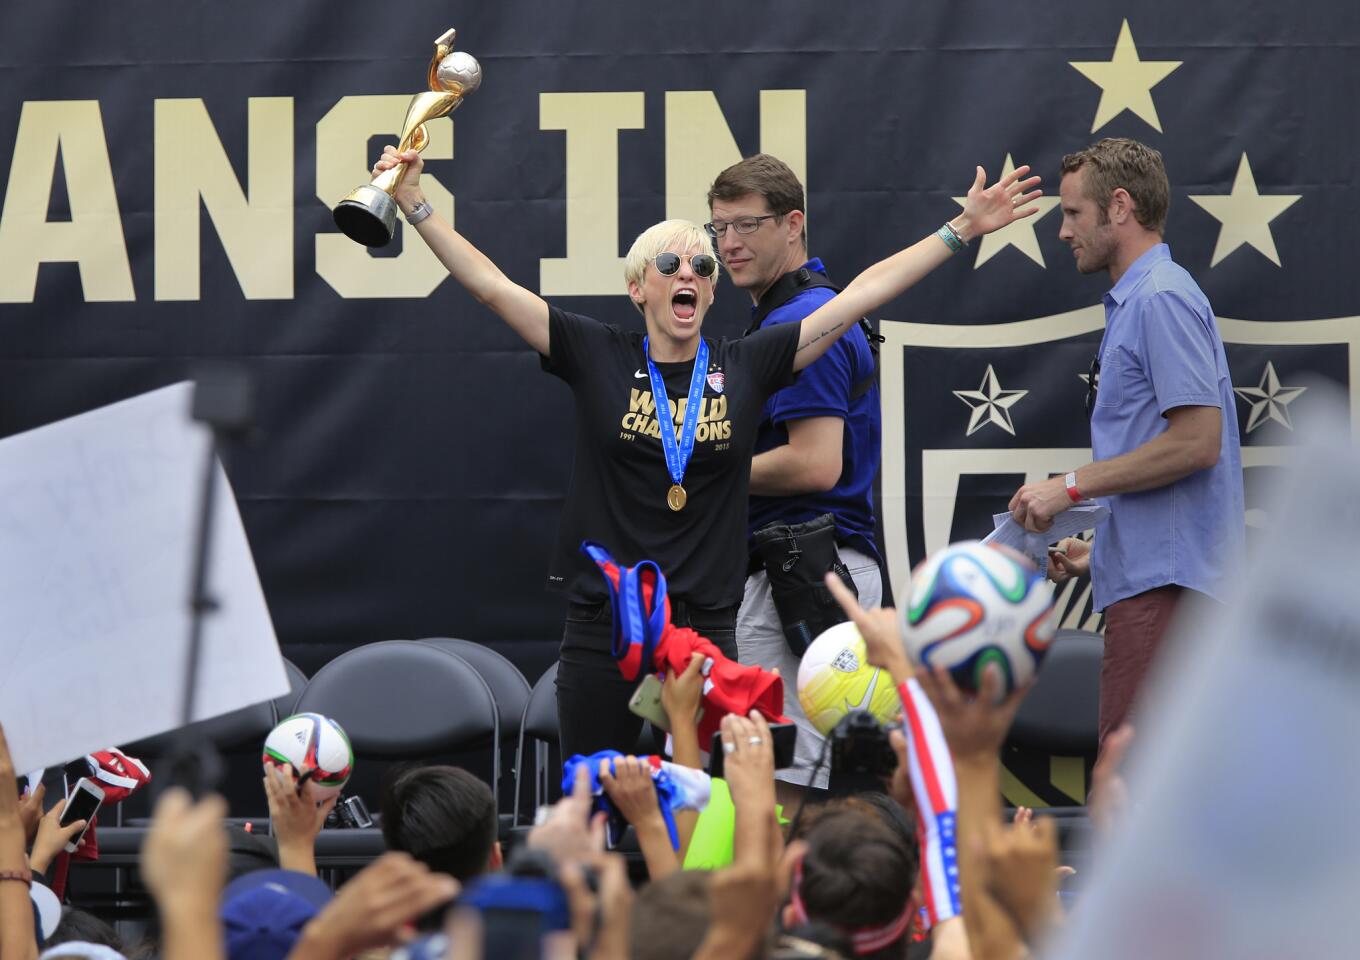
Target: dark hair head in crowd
857,875
670,917
445,818
77,926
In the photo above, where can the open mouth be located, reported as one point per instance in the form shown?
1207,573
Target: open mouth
684,304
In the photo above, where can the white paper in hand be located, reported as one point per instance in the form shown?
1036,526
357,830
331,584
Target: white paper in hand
97,525
1078,518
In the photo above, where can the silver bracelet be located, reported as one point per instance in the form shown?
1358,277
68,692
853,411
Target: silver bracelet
421,211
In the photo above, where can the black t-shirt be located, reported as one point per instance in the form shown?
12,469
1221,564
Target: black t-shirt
619,480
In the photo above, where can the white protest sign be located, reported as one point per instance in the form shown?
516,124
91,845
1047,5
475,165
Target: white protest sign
1241,839
97,524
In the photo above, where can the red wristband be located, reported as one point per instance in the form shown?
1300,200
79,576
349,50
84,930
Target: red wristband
1073,494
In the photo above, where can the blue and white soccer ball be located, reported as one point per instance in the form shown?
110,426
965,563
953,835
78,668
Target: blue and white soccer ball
317,749
972,605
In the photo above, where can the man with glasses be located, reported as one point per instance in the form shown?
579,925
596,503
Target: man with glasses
817,446
1163,423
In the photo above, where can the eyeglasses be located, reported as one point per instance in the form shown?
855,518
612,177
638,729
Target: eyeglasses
668,264
718,228
1092,384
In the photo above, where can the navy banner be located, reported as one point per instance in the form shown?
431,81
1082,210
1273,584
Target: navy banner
171,169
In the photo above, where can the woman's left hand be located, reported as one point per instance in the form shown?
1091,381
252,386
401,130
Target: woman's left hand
991,208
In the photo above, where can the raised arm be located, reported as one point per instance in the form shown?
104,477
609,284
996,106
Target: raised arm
525,311
986,210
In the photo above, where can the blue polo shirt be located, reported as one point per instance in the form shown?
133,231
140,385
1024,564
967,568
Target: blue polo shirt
823,390
1162,350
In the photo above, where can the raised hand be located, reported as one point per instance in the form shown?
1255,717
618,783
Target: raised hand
1022,872
742,902
988,209
1109,795
974,727
31,810
52,837
185,854
682,693
880,630
407,192
899,787
378,908
600,922
632,789
297,819
748,764
16,923
568,833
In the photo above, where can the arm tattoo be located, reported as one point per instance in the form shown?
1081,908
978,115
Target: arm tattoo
825,333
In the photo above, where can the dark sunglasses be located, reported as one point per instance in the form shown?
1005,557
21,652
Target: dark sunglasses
668,264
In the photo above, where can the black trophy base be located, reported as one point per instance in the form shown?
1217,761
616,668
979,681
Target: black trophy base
367,216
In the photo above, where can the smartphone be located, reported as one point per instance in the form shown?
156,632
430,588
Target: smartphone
82,803
646,702
785,736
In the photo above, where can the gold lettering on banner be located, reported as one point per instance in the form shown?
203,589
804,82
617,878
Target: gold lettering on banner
592,122
256,231
93,237
342,160
700,145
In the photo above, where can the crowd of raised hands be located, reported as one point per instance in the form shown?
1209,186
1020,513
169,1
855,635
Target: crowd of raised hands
1008,872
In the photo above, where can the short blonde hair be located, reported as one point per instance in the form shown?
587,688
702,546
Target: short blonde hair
680,234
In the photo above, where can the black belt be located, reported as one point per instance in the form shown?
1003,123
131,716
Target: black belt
682,611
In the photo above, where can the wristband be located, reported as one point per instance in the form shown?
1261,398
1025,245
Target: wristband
951,237
419,212
1070,482
24,876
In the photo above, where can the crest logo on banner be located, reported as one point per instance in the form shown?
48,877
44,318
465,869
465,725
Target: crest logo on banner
948,466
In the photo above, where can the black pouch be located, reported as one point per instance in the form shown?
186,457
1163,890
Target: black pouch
797,557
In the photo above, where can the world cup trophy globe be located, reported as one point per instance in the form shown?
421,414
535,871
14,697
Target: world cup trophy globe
368,215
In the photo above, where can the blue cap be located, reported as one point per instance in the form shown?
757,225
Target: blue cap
433,947
263,912
497,891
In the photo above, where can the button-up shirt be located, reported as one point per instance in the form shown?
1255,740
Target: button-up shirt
1162,350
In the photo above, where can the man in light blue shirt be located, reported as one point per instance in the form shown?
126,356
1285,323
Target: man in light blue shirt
1163,423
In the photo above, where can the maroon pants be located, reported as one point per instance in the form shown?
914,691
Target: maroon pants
1134,628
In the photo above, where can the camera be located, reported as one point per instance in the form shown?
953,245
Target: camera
350,813
860,747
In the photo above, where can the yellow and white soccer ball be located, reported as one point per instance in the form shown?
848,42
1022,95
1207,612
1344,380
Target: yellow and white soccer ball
835,677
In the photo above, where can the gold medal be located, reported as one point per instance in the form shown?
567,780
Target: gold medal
676,497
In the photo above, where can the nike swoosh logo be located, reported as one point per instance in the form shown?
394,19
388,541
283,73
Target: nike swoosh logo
864,701
639,374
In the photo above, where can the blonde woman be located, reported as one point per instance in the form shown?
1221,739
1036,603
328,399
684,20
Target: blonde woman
670,488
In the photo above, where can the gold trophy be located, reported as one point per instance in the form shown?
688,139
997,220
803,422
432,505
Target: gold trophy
369,214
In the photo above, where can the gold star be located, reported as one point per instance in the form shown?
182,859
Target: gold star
1269,400
1245,215
1125,81
990,404
1019,234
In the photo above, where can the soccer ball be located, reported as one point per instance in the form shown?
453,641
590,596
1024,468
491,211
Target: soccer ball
972,605
310,742
834,678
